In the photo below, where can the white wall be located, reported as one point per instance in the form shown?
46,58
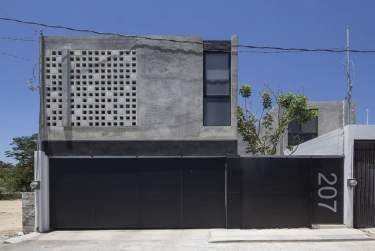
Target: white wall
41,174
328,144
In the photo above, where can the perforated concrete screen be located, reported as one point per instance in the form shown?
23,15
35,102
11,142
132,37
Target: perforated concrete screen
53,88
85,88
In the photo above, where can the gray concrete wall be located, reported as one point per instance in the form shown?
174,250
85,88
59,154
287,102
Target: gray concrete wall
332,115
169,91
28,212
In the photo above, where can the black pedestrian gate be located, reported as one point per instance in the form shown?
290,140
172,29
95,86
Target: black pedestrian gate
364,173
285,192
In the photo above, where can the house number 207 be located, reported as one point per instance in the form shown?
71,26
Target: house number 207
327,191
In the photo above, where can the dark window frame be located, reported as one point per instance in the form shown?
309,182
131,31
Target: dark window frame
306,135
206,96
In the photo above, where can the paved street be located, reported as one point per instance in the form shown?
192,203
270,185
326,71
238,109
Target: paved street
186,240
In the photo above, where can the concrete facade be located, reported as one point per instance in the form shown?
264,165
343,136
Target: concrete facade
169,89
163,78
340,142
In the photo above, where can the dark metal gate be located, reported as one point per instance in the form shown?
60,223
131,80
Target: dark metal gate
137,193
144,193
276,192
364,172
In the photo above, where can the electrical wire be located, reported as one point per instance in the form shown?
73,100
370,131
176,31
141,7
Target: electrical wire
257,47
335,50
94,31
18,39
271,49
15,56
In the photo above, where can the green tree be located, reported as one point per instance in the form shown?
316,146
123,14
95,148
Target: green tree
19,176
4,169
5,164
263,133
23,150
16,179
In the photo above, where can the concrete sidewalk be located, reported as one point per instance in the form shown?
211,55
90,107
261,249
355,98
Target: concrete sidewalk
198,239
299,234
369,231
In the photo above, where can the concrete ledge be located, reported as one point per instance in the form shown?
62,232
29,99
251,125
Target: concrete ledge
280,235
21,238
328,226
141,148
369,231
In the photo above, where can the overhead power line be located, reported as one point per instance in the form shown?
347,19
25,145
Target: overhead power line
18,39
94,31
335,50
15,56
270,49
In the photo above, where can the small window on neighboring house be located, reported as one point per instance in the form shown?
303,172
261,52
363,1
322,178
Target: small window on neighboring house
299,133
217,91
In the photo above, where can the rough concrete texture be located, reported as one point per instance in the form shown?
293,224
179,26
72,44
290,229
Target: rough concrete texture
28,212
169,91
332,115
174,240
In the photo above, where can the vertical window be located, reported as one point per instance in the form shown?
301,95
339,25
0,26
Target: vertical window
217,91
299,133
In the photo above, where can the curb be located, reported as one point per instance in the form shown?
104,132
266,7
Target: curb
325,235
21,238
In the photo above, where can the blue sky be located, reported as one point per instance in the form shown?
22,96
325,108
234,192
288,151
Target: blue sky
314,23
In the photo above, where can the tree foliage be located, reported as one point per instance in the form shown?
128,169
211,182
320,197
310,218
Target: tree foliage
23,150
16,179
263,133
18,176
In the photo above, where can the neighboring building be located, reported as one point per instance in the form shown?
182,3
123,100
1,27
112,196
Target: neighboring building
332,115
122,97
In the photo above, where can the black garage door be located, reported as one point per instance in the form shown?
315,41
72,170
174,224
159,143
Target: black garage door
131,193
